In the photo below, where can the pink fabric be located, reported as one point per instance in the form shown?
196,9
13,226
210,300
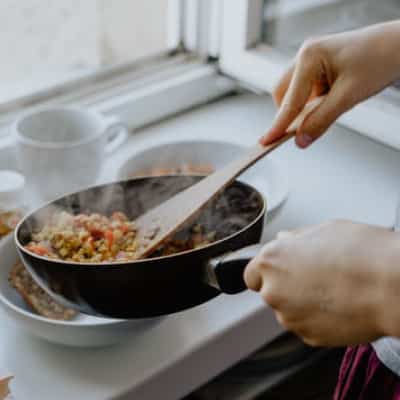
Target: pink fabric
363,377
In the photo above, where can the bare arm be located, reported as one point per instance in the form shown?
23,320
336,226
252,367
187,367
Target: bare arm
349,67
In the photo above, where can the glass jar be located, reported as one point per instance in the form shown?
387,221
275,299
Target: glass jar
12,204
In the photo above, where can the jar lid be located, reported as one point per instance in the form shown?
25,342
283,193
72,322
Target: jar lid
12,186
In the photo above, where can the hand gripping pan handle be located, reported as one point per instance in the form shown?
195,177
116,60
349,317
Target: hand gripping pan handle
226,272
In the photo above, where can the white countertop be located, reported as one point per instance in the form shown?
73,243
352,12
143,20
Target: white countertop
344,175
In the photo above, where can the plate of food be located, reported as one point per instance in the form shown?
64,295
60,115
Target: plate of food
201,157
32,309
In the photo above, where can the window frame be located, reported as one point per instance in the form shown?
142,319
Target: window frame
202,27
143,91
175,17
148,99
244,57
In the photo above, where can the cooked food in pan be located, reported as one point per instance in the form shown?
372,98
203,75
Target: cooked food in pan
158,285
93,238
85,238
35,297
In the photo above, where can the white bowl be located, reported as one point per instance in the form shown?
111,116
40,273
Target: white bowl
83,331
267,175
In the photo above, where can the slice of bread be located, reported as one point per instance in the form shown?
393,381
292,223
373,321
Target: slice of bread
35,297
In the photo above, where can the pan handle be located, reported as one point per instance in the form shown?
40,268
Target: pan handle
226,272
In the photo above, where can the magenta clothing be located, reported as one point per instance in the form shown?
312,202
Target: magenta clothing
363,377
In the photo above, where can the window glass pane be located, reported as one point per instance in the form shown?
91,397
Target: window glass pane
46,41
288,23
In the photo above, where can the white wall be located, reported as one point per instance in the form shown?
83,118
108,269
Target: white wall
42,40
132,28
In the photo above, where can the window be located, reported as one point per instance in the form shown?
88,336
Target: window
286,24
259,38
45,42
125,57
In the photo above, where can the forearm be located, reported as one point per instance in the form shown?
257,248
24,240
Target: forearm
389,286
384,43
347,67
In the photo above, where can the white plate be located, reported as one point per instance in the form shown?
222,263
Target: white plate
84,330
267,175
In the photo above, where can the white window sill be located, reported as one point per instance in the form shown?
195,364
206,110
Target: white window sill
137,101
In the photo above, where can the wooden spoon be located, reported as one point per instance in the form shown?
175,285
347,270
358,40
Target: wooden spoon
162,221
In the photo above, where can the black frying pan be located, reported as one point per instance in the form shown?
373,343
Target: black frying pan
158,285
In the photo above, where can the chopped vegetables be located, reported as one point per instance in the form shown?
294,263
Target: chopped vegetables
40,250
97,238
85,238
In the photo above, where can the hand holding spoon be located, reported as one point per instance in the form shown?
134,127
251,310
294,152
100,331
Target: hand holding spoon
162,221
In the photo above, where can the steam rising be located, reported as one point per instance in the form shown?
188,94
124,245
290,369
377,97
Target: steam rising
230,212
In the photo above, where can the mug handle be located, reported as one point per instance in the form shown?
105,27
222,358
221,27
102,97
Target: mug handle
116,132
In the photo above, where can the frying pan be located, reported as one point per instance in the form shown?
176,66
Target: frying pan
158,285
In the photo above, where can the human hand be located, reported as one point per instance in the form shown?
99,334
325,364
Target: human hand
349,67
328,283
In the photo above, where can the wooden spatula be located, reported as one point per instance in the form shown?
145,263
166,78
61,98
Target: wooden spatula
162,221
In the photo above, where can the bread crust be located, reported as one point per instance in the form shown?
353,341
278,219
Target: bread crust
4,382
35,297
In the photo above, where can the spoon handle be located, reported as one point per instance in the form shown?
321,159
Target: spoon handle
219,180
162,221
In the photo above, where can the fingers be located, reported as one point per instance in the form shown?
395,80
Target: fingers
283,85
338,101
262,266
259,270
252,275
298,92
259,267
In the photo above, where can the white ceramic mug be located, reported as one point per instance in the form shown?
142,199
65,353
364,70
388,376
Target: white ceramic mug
61,150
